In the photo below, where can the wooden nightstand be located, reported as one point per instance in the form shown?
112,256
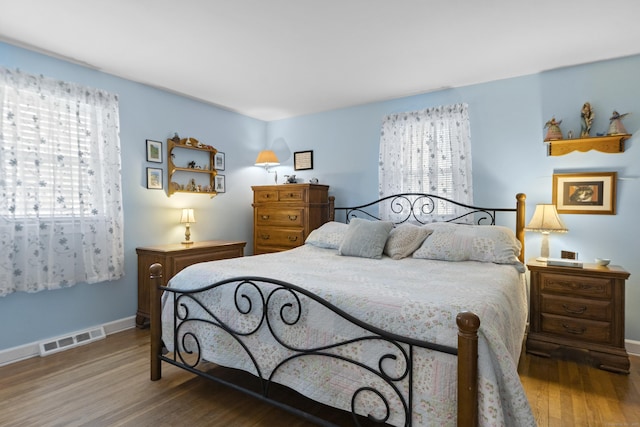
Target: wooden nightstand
175,257
578,313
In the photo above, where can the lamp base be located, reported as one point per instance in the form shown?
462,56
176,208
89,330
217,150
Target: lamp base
542,259
187,242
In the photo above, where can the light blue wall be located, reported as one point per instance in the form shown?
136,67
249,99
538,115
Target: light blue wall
150,216
507,119
509,156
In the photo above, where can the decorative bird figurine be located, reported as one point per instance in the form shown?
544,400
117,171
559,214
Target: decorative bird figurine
615,124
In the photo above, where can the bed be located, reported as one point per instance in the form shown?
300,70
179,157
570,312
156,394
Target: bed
403,322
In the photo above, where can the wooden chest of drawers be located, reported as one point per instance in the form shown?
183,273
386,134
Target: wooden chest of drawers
578,313
284,215
174,257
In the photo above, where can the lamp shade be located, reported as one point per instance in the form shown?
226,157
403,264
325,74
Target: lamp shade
187,216
546,220
267,158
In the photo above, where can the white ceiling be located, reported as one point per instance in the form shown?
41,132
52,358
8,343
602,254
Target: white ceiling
273,59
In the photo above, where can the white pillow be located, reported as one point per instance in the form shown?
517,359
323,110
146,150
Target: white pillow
329,235
365,239
404,239
460,242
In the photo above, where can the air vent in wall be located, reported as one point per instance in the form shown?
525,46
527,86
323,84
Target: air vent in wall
70,341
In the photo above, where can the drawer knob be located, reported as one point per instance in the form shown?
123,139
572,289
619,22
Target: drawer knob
293,238
293,217
572,330
264,236
576,310
291,195
265,217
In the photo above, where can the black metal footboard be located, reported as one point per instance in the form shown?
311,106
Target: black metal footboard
266,306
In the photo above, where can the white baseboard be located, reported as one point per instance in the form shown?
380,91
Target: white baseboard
15,354
26,351
633,347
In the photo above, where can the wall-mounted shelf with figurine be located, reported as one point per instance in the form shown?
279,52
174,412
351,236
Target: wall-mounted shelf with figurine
604,144
198,162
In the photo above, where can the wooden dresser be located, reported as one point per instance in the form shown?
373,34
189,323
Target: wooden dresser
285,214
175,257
578,313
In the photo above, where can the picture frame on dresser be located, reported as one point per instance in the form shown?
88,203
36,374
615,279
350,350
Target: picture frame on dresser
154,178
585,193
154,151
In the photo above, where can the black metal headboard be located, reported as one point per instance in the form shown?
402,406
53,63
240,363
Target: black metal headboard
413,207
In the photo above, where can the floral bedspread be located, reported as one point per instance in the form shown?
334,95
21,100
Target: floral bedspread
416,298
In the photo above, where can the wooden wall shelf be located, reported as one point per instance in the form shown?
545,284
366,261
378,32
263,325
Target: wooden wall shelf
604,144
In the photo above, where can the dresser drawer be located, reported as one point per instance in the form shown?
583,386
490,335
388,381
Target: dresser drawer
282,237
579,329
577,307
592,287
285,217
279,195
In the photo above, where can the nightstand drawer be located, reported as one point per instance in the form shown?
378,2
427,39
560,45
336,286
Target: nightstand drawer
261,196
289,217
577,307
583,330
291,195
283,237
593,287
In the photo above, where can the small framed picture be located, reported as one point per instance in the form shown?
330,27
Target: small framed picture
154,151
218,161
220,186
154,178
303,160
585,193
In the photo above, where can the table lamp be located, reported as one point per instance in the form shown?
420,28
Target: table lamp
187,218
268,158
545,220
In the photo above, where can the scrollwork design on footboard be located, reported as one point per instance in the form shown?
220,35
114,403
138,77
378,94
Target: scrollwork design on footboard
260,305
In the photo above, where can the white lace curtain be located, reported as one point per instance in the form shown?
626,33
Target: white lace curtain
427,151
61,220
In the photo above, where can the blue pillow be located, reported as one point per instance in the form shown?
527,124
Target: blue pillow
365,239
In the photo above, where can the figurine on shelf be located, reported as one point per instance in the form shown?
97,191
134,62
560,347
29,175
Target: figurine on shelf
176,138
586,119
553,131
192,164
615,124
192,185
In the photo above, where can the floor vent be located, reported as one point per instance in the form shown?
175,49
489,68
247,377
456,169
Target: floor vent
70,341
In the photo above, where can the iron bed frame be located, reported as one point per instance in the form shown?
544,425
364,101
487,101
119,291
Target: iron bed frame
263,302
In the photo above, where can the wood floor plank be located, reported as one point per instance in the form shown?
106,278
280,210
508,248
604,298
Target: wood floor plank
106,384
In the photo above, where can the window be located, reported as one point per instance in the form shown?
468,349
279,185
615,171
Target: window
61,206
427,151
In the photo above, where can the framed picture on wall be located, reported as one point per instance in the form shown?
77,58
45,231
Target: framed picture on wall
303,160
220,185
154,151
218,161
154,178
585,193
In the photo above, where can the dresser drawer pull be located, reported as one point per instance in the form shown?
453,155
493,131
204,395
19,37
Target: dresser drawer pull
264,236
293,217
293,238
572,330
577,310
265,217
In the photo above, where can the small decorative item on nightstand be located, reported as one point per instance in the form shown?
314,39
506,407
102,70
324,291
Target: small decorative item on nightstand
578,313
546,220
187,218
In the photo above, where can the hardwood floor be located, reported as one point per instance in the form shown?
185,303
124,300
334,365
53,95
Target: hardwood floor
106,383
